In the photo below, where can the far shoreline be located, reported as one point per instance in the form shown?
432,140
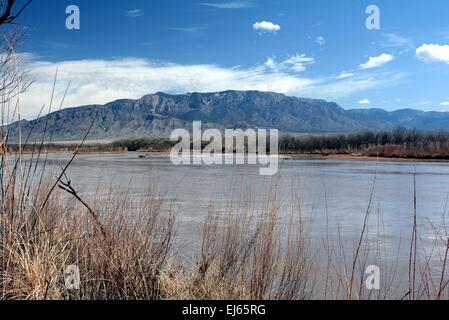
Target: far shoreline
321,157
88,150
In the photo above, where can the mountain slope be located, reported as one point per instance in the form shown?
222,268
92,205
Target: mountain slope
160,113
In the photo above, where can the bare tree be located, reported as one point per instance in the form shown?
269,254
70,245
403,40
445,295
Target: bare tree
13,75
7,11
10,73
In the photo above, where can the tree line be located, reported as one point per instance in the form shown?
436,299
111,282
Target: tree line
400,136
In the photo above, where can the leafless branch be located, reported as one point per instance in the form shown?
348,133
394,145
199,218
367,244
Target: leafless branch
6,9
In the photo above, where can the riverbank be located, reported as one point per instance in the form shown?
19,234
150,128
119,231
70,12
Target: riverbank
342,157
65,149
146,229
316,157
284,156
358,157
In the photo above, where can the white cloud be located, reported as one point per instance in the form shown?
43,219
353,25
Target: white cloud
433,53
320,40
102,81
266,26
364,102
395,40
331,89
271,63
445,103
345,74
377,61
296,63
228,5
134,13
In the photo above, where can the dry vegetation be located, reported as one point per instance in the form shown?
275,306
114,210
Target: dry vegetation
65,148
401,143
398,143
124,249
124,246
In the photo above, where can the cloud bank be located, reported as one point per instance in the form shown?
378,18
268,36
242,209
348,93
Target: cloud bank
102,81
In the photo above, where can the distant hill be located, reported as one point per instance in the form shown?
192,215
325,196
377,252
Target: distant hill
158,114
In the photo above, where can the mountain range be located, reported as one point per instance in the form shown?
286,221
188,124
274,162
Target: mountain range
160,113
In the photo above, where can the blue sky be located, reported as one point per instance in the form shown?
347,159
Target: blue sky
317,49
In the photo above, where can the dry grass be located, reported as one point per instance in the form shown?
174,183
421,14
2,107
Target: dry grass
131,255
123,248
122,263
242,257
